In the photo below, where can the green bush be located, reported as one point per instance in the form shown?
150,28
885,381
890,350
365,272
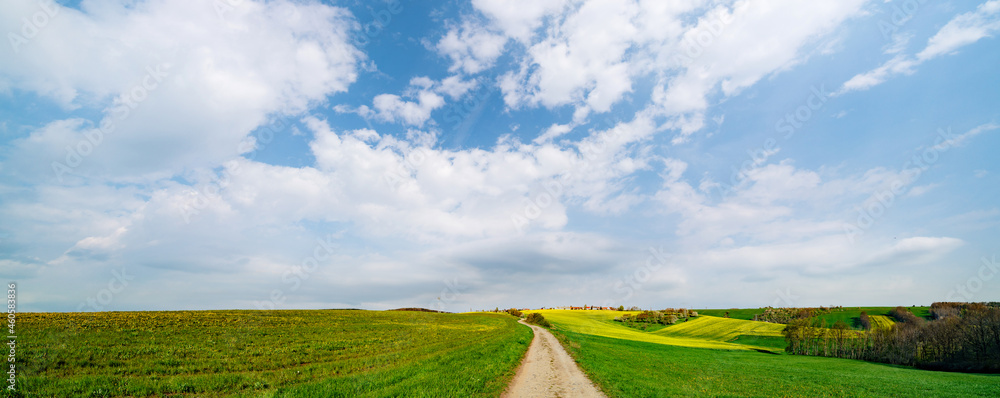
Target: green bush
514,312
537,319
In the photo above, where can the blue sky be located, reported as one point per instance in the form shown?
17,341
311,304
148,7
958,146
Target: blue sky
453,155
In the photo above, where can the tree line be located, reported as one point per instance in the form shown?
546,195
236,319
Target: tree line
960,337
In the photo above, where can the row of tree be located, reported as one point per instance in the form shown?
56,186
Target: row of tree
786,315
667,316
966,337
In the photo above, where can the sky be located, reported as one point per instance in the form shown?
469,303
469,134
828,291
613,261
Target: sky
456,155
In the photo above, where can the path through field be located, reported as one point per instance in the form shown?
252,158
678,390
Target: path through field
548,371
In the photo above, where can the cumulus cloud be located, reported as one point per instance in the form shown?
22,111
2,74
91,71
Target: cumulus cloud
472,48
194,103
590,53
426,96
384,215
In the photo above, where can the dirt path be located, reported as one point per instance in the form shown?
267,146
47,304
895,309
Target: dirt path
548,371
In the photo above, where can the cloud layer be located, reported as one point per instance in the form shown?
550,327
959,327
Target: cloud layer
157,158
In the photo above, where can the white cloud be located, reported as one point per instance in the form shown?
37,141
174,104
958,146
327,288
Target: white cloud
391,108
737,46
194,94
581,61
519,19
901,64
588,54
427,95
472,48
961,31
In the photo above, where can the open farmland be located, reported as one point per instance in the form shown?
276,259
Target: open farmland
268,353
852,315
601,323
715,328
631,366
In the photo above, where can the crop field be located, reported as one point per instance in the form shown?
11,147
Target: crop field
323,353
881,321
634,367
722,329
601,323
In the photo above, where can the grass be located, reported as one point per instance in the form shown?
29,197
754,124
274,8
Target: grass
329,353
628,368
734,313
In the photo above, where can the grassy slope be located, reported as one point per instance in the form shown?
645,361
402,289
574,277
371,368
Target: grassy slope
268,353
601,323
626,368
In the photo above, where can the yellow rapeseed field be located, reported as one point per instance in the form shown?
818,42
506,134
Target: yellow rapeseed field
881,321
723,329
601,323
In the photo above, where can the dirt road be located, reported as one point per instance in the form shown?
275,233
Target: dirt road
548,371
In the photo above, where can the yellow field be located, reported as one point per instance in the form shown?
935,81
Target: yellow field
881,321
701,332
722,329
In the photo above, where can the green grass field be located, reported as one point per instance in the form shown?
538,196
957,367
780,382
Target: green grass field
734,313
329,353
650,367
625,368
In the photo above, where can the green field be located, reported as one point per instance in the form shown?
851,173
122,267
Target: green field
635,367
734,313
328,353
850,315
